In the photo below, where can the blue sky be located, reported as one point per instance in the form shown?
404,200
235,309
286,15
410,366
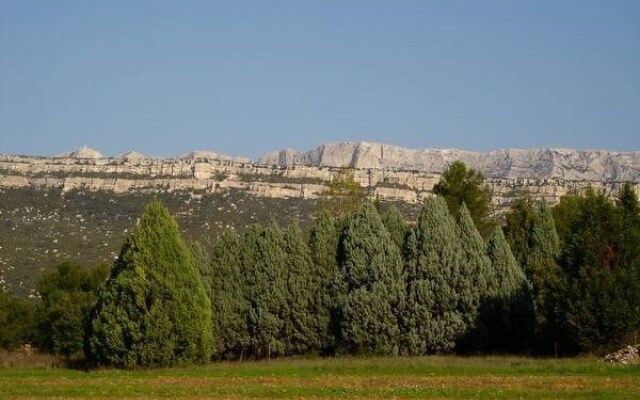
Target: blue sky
249,77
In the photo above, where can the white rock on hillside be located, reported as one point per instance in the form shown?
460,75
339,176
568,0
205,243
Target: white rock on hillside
591,165
83,152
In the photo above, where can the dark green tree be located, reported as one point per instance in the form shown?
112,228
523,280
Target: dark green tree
154,310
435,316
264,266
227,289
395,224
17,319
509,316
325,278
519,222
598,306
477,277
459,184
372,270
628,200
531,231
301,326
66,297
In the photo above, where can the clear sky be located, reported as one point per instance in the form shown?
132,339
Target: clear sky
248,77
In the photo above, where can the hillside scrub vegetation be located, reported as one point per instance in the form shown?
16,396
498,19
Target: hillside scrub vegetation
560,280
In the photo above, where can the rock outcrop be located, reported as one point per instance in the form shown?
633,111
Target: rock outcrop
626,355
588,165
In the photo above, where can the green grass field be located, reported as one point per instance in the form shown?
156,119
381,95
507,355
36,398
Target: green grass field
359,378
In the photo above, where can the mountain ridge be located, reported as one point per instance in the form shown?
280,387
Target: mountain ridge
592,165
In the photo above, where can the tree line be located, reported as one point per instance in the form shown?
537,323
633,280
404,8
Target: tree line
361,281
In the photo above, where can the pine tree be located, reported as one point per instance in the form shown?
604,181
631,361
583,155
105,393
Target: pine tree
323,246
300,327
372,269
266,278
509,316
597,308
227,290
395,224
66,297
154,310
434,320
542,269
476,265
477,279
460,184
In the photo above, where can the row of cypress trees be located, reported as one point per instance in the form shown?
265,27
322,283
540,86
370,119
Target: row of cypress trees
366,283
362,283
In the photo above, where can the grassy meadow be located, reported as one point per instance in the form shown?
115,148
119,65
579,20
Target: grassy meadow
358,378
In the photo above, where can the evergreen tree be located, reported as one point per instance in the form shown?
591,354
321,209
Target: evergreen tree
460,184
66,297
154,310
519,227
344,195
477,265
301,325
395,224
477,277
266,279
531,231
17,319
323,246
435,316
372,269
508,317
597,308
226,284
543,271
628,200
202,262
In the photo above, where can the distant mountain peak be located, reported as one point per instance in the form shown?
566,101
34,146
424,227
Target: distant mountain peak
82,152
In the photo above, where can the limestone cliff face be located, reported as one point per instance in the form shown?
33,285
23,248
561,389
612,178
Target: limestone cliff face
204,175
589,165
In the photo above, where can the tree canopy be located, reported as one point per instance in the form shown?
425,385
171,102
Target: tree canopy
460,184
154,310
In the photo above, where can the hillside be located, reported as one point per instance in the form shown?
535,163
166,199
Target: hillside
81,205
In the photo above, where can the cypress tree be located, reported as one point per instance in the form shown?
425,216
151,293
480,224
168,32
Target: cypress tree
509,316
434,320
394,222
227,290
476,265
372,269
542,269
266,279
154,310
477,280
323,246
300,327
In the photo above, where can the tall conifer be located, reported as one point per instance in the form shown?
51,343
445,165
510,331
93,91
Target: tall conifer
227,291
372,269
509,317
434,318
323,246
154,310
266,279
300,326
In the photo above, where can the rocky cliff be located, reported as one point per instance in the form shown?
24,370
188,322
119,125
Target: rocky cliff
287,177
588,165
